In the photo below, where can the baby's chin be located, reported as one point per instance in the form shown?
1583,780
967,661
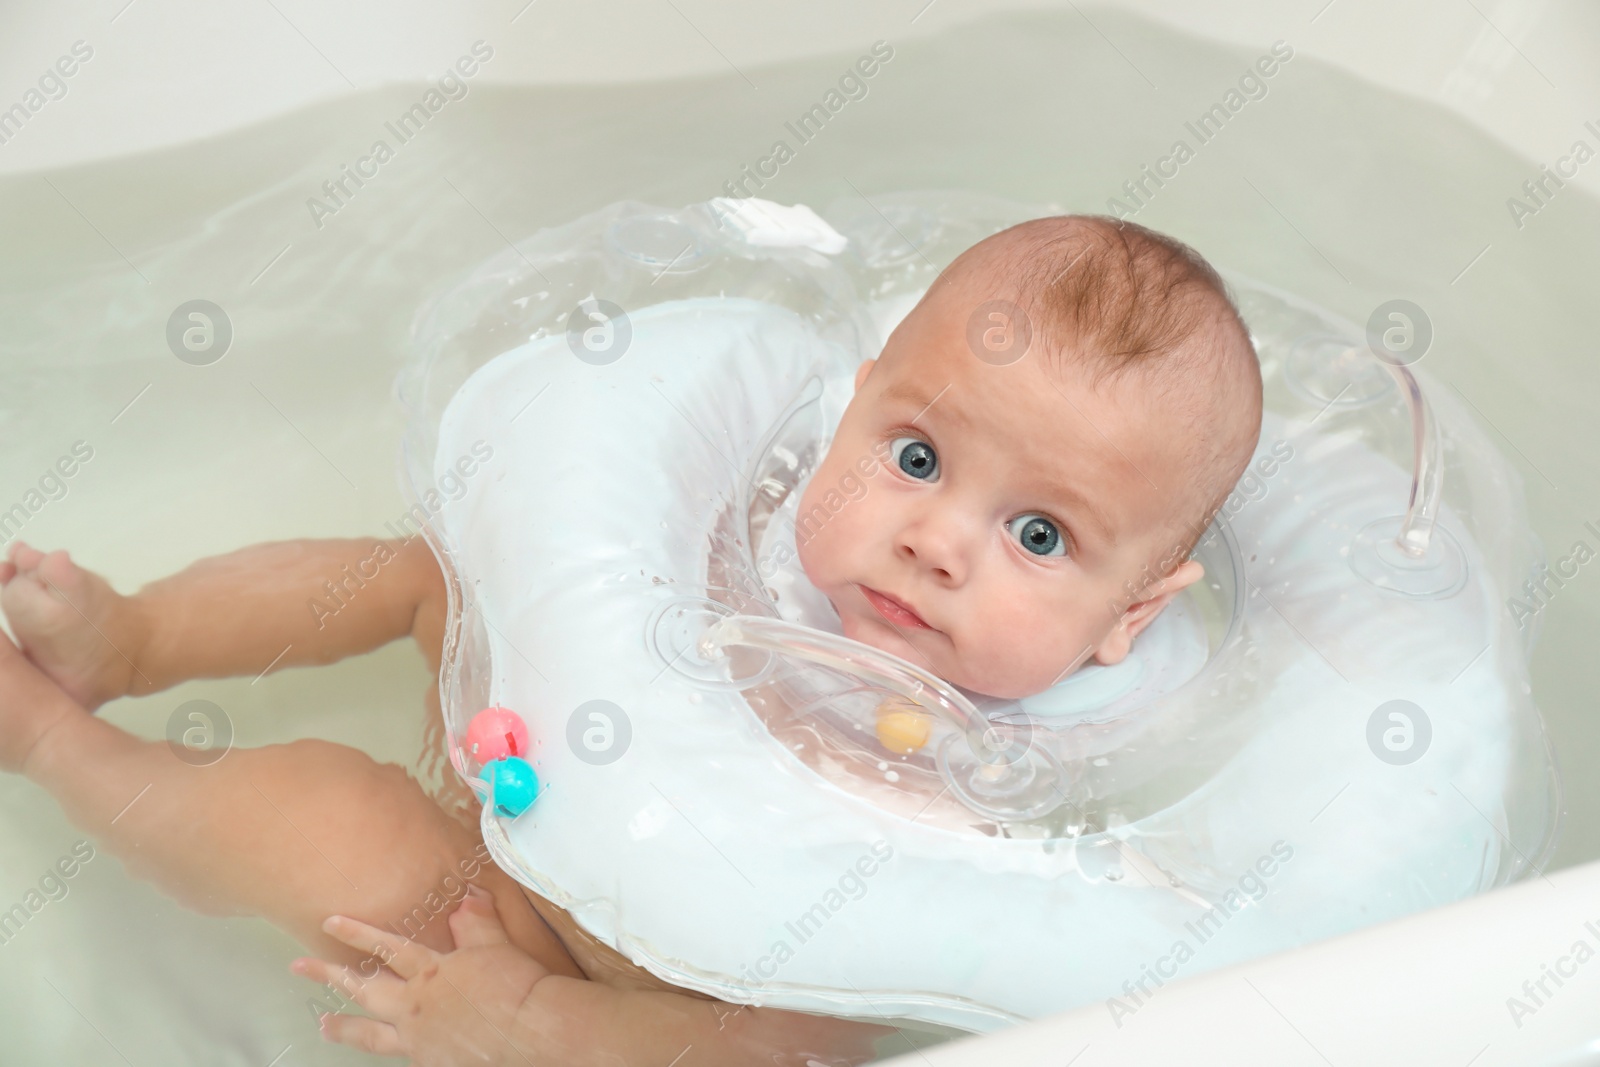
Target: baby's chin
996,682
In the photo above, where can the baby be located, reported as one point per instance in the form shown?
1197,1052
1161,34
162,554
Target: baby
1045,485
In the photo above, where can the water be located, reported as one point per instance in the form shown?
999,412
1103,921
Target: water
1326,186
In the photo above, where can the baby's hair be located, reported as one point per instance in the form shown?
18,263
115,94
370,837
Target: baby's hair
1130,299
1114,300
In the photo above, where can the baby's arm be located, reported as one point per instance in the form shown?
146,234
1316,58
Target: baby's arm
285,604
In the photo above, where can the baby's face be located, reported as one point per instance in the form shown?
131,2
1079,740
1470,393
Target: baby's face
1007,508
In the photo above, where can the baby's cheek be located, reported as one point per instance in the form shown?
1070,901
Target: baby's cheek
811,560
1025,652
821,543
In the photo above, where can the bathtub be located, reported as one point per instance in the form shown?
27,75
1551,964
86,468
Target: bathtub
188,154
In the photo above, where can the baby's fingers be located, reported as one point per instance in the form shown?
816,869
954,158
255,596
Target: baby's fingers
400,954
383,994
368,1035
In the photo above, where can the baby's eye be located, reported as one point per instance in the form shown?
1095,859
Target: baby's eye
1038,535
916,458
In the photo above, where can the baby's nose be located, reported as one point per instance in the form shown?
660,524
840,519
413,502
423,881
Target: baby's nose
932,547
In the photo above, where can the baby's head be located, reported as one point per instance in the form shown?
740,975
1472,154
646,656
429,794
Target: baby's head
1019,515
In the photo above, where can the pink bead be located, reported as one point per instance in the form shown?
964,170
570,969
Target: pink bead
496,733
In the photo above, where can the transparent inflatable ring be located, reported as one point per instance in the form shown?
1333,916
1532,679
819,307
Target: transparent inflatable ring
738,798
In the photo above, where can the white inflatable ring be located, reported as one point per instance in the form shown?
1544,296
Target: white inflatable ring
726,816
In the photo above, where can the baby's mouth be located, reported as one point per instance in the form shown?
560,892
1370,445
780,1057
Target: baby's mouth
897,613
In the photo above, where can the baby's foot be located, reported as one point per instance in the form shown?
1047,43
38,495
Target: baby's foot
71,624
30,706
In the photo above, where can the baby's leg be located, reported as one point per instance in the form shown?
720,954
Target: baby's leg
277,605
292,833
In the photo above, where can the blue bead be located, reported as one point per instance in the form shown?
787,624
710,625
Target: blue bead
513,785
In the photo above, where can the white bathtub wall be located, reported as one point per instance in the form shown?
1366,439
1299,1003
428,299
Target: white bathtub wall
167,71
1497,981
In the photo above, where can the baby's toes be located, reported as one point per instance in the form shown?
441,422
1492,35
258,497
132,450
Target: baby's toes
24,556
61,576
20,590
32,606
53,591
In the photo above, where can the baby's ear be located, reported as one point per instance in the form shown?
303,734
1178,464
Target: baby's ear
1140,614
862,372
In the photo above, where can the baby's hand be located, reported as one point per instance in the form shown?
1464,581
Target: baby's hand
439,1008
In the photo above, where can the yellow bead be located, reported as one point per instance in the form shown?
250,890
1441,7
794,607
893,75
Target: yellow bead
903,728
